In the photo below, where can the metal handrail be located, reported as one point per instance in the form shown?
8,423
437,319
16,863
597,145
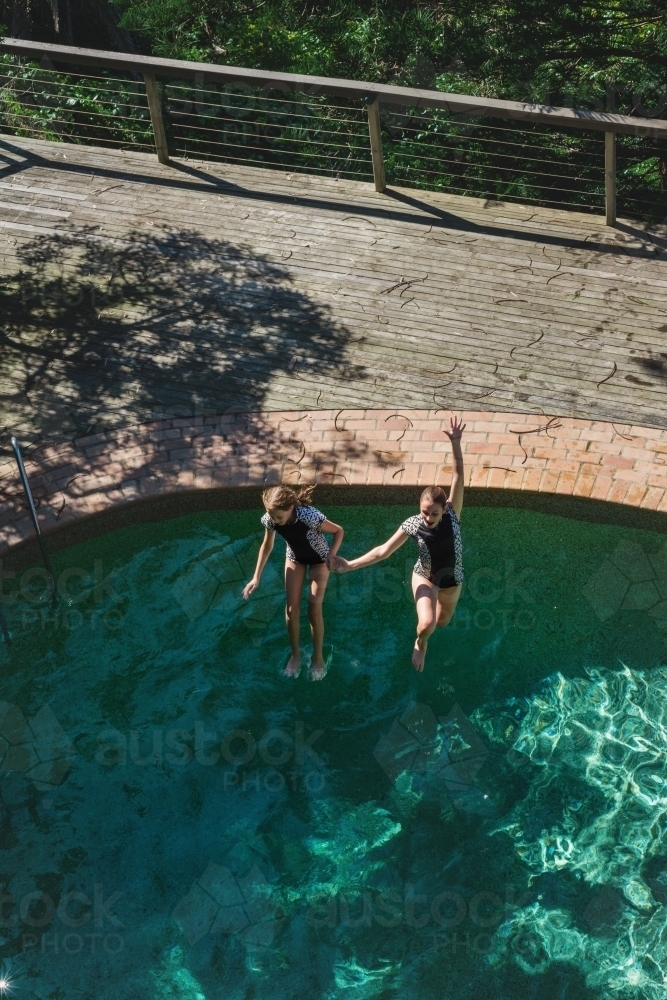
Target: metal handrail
373,94
33,514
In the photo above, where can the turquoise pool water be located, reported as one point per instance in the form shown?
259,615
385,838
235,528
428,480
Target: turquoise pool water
181,821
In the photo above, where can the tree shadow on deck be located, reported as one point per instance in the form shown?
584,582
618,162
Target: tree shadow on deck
101,333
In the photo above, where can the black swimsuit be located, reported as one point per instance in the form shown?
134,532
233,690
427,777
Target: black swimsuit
305,542
440,549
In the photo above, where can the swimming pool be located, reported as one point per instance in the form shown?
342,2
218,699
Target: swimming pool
181,821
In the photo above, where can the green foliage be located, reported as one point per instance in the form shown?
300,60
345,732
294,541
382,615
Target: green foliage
607,55
37,102
570,52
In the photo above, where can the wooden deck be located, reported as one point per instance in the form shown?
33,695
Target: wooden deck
132,292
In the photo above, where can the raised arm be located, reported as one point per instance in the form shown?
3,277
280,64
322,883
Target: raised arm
265,551
373,556
456,489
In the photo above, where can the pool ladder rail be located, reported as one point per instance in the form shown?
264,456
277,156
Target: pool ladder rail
40,539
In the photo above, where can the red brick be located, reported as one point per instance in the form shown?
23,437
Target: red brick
491,427
152,486
566,483
113,467
350,424
358,474
472,415
542,450
168,434
583,486
618,462
607,442
483,448
630,476
256,474
375,475
531,479
498,477
478,476
646,432
589,469
98,501
410,473
648,467
617,492
635,495
428,475
601,487
548,482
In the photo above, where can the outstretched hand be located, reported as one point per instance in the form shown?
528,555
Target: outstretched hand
249,587
456,429
337,564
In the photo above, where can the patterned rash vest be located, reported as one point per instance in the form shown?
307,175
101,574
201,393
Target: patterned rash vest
440,548
305,541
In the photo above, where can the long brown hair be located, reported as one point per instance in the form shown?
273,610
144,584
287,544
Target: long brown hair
434,494
285,497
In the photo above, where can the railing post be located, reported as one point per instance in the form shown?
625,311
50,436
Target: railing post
610,178
156,118
375,131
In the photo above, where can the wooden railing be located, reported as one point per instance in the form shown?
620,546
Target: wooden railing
60,57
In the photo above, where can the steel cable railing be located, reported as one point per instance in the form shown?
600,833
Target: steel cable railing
269,130
42,103
466,156
452,143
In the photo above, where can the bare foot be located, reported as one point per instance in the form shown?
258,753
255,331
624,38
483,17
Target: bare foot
293,668
419,654
318,671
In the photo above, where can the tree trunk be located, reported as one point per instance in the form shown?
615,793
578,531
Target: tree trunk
21,19
104,17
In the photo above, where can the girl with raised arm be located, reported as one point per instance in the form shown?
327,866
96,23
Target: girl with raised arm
438,572
291,513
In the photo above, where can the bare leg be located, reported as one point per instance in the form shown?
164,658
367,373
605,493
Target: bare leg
448,598
295,574
319,577
426,600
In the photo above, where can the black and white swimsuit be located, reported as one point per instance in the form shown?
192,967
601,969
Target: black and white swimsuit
440,549
305,541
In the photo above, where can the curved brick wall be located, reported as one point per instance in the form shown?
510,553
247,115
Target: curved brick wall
374,447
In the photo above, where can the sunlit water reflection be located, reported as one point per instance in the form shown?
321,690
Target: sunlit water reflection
181,822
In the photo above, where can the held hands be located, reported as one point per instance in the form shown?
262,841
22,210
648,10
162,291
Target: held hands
456,429
250,587
337,564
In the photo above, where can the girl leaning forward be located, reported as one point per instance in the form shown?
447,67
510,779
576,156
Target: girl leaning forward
438,573
291,513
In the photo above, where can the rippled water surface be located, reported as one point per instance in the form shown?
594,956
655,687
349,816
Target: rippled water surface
181,821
